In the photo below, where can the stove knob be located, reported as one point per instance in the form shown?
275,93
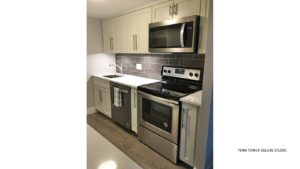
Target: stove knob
191,74
165,71
196,74
169,71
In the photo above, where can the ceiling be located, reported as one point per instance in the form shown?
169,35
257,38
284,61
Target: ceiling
107,8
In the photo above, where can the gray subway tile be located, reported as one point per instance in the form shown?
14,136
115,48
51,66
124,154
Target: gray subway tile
154,76
155,66
152,63
162,61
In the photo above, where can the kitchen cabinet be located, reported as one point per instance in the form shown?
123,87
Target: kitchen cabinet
131,32
134,122
102,96
143,18
183,8
128,33
108,35
124,33
202,35
161,12
203,26
204,7
175,9
188,133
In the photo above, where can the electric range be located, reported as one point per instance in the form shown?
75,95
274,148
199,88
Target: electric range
159,108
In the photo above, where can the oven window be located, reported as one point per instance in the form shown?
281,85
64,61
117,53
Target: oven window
157,114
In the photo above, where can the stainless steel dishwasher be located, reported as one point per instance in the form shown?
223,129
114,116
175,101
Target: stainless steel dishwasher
121,104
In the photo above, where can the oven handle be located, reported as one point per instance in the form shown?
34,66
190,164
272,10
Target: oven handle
164,101
182,34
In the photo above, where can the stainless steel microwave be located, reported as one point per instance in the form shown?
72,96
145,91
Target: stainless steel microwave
174,36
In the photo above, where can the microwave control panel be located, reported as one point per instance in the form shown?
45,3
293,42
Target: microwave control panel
184,73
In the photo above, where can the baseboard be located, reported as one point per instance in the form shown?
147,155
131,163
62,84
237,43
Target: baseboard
91,110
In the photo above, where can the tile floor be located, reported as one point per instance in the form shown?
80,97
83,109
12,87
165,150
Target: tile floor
101,154
128,143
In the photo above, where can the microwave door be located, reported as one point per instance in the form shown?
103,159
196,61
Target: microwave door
182,35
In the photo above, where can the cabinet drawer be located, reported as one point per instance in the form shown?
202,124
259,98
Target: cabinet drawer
101,82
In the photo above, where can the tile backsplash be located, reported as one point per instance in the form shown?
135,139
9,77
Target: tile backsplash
152,63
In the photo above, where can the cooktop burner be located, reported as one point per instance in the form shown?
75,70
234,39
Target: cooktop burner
176,82
170,91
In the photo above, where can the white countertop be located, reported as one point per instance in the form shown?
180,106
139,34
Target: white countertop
194,98
128,80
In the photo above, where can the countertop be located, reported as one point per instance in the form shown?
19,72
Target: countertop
128,80
194,98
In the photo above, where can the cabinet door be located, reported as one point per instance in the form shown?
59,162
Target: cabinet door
124,33
161,12
202,35
203,26
102,100
108,35
188,133
98,97
204,6
143,18
134,122
106,103
185,8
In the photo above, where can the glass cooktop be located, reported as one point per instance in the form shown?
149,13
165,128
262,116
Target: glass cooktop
169,90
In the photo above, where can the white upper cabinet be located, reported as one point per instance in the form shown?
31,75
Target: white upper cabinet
128,33
124,31
143,18
204,5
108,36
131,32
204,8
161,12
175,9
183,8
202,35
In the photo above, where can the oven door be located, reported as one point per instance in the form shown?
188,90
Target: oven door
159,115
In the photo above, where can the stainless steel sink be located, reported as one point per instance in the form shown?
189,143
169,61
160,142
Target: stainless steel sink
112,76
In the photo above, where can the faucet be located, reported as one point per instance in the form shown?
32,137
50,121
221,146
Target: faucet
120,67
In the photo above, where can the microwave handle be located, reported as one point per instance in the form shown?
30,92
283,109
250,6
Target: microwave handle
182,34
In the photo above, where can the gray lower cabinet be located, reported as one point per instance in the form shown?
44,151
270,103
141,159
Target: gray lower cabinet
188,133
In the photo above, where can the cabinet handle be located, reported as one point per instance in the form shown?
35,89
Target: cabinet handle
133,42
109,43
112,44
186,133
134,101
136,47
183,111
100,96
187,122
175,9
171,10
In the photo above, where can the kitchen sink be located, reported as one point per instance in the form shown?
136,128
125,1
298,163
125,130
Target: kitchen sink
112,76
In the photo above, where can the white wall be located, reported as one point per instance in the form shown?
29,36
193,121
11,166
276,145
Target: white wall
98,64
97,61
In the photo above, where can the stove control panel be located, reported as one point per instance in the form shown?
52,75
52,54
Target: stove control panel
184,73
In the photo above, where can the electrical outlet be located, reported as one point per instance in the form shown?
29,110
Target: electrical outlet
139,66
